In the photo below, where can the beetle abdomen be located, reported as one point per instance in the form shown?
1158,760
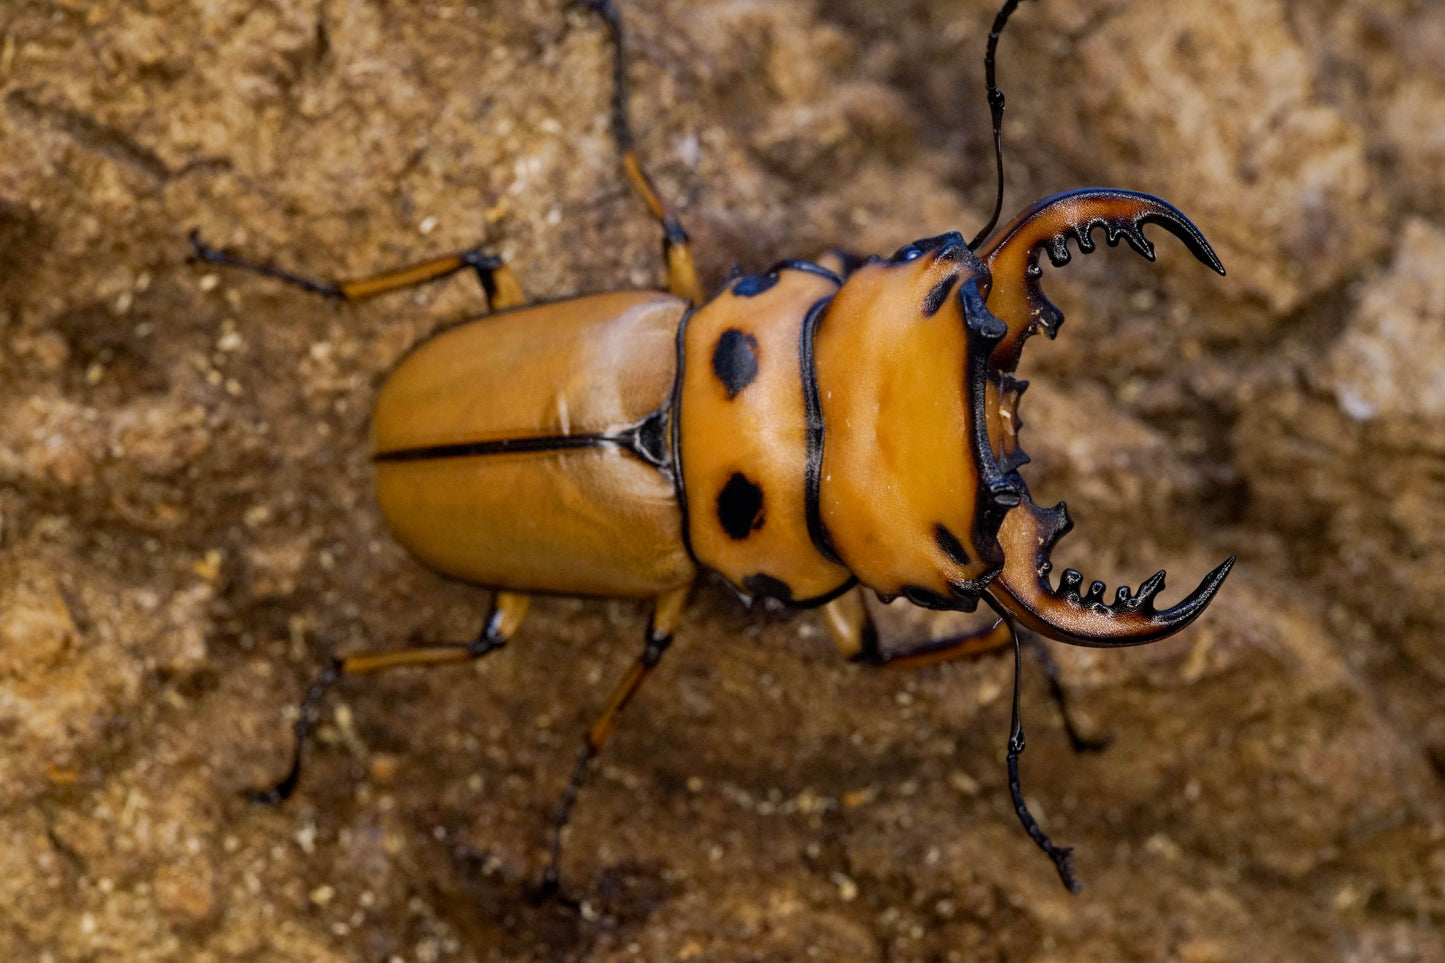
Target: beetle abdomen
529,450
743,428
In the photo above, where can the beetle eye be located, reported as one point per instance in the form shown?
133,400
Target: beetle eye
912,252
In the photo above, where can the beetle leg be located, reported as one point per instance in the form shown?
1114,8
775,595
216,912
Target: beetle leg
856,636
676,251
508,610
497,280
666,613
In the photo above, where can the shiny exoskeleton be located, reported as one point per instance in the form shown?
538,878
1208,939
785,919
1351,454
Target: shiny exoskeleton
810,432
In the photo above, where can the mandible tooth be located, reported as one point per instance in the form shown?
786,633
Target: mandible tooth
1135,236
1149,589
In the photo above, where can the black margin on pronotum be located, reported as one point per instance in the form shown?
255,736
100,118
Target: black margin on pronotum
751,285
763,584
813,414
807,267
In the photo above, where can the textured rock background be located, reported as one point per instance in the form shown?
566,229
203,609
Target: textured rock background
186,529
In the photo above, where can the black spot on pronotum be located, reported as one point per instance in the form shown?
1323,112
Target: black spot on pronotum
951,546
735,360
761,584
938,295
740,507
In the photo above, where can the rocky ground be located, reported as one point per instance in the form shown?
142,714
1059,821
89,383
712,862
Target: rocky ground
186,528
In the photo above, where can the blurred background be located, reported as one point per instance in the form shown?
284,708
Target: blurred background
186,527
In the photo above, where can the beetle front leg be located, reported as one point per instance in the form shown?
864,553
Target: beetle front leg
666,613
856,636
508,610
496,279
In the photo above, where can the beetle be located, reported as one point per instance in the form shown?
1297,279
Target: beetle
807,433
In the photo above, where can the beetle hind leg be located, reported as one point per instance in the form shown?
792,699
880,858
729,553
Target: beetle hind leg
497,280
508,610
666,613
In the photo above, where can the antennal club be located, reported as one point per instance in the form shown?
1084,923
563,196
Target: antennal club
995,107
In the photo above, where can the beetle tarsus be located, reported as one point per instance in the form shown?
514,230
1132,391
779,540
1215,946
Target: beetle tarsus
550,884
201,252
666,612
305,722
1062,856
607,10
676,253
508,610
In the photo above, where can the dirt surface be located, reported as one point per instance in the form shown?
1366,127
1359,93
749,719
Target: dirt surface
186,528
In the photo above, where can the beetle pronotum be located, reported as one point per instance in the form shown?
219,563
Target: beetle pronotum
794,433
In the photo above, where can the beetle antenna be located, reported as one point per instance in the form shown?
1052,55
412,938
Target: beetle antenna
995,107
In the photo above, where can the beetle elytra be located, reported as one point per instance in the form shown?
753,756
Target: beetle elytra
810,432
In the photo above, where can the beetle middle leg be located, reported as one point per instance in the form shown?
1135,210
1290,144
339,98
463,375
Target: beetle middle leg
508,610
666,613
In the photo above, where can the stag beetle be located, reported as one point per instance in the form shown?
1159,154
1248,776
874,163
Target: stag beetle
822,428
